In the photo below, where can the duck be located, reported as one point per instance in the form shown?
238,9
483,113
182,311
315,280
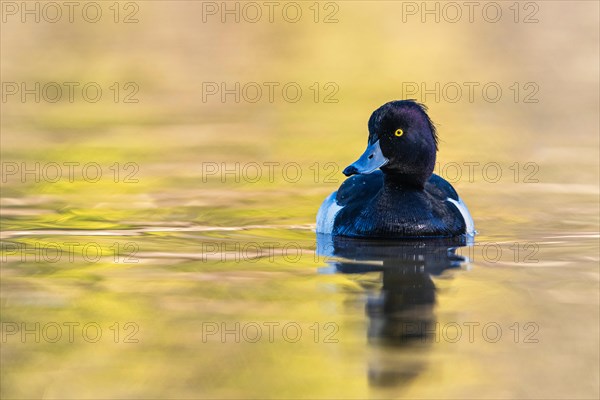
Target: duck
391,191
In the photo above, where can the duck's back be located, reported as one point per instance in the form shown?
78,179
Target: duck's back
355,191
364,207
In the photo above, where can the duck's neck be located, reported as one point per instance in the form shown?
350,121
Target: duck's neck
393,182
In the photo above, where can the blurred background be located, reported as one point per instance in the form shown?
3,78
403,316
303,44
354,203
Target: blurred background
192,129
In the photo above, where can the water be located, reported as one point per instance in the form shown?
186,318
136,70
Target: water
180,266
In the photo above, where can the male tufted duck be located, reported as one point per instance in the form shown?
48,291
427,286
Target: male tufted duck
391,191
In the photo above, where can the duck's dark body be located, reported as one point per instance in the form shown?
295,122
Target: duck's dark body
379,207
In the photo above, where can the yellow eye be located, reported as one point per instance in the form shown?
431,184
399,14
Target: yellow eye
399,132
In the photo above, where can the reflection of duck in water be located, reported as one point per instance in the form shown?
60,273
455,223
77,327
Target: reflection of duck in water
391,191
401,314
403,309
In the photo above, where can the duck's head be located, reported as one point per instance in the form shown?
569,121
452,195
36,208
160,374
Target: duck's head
402,142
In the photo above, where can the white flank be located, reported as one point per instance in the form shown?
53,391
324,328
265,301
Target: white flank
464,211
327,213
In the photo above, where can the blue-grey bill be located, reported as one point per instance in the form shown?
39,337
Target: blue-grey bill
371,160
